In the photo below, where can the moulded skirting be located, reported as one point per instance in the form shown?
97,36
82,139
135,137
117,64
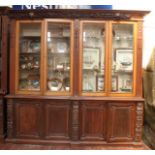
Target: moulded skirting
74,143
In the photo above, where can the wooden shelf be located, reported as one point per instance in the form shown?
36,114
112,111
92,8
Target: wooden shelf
57,53
29,53
123,72
31,37
60,37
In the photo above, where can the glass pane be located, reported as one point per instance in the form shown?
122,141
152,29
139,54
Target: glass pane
93,57
122,64
58,57
29,56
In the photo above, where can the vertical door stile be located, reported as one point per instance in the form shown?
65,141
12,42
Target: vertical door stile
44,43
109,55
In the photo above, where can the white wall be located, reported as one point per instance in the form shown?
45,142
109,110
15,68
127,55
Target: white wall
149,23
149,37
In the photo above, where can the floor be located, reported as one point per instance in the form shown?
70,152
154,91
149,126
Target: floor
7,146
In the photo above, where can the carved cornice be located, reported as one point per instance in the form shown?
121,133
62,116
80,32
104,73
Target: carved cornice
75,14
34,15
4,10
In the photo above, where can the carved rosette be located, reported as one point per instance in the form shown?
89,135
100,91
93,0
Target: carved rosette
139,121
75,120
10,118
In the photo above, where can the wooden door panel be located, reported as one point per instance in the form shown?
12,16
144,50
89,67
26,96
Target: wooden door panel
121,121
57,117
92,121
27,120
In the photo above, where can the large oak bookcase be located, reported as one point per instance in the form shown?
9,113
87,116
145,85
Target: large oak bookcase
92,93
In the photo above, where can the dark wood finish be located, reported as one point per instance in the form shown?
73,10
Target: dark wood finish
81,13
121,117
39,119
8,146
76,98
76,55
1,120
1,100
57,115
76,120
81,121
12,57
139,121
93,123
27,119
10,117
4,23
0,26
4,31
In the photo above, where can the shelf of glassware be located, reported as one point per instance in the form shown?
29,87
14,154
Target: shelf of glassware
29,63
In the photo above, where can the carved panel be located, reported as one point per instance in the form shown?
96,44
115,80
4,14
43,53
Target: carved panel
27,120
121,121
139,122
57,117
92,120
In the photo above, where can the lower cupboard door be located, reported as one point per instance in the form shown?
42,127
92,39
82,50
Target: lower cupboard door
92,122
27,120
57,121
121,122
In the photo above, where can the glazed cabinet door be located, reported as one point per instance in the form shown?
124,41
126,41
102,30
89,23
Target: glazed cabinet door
93,58
121,122
58,57
123,59
28,57
44,57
